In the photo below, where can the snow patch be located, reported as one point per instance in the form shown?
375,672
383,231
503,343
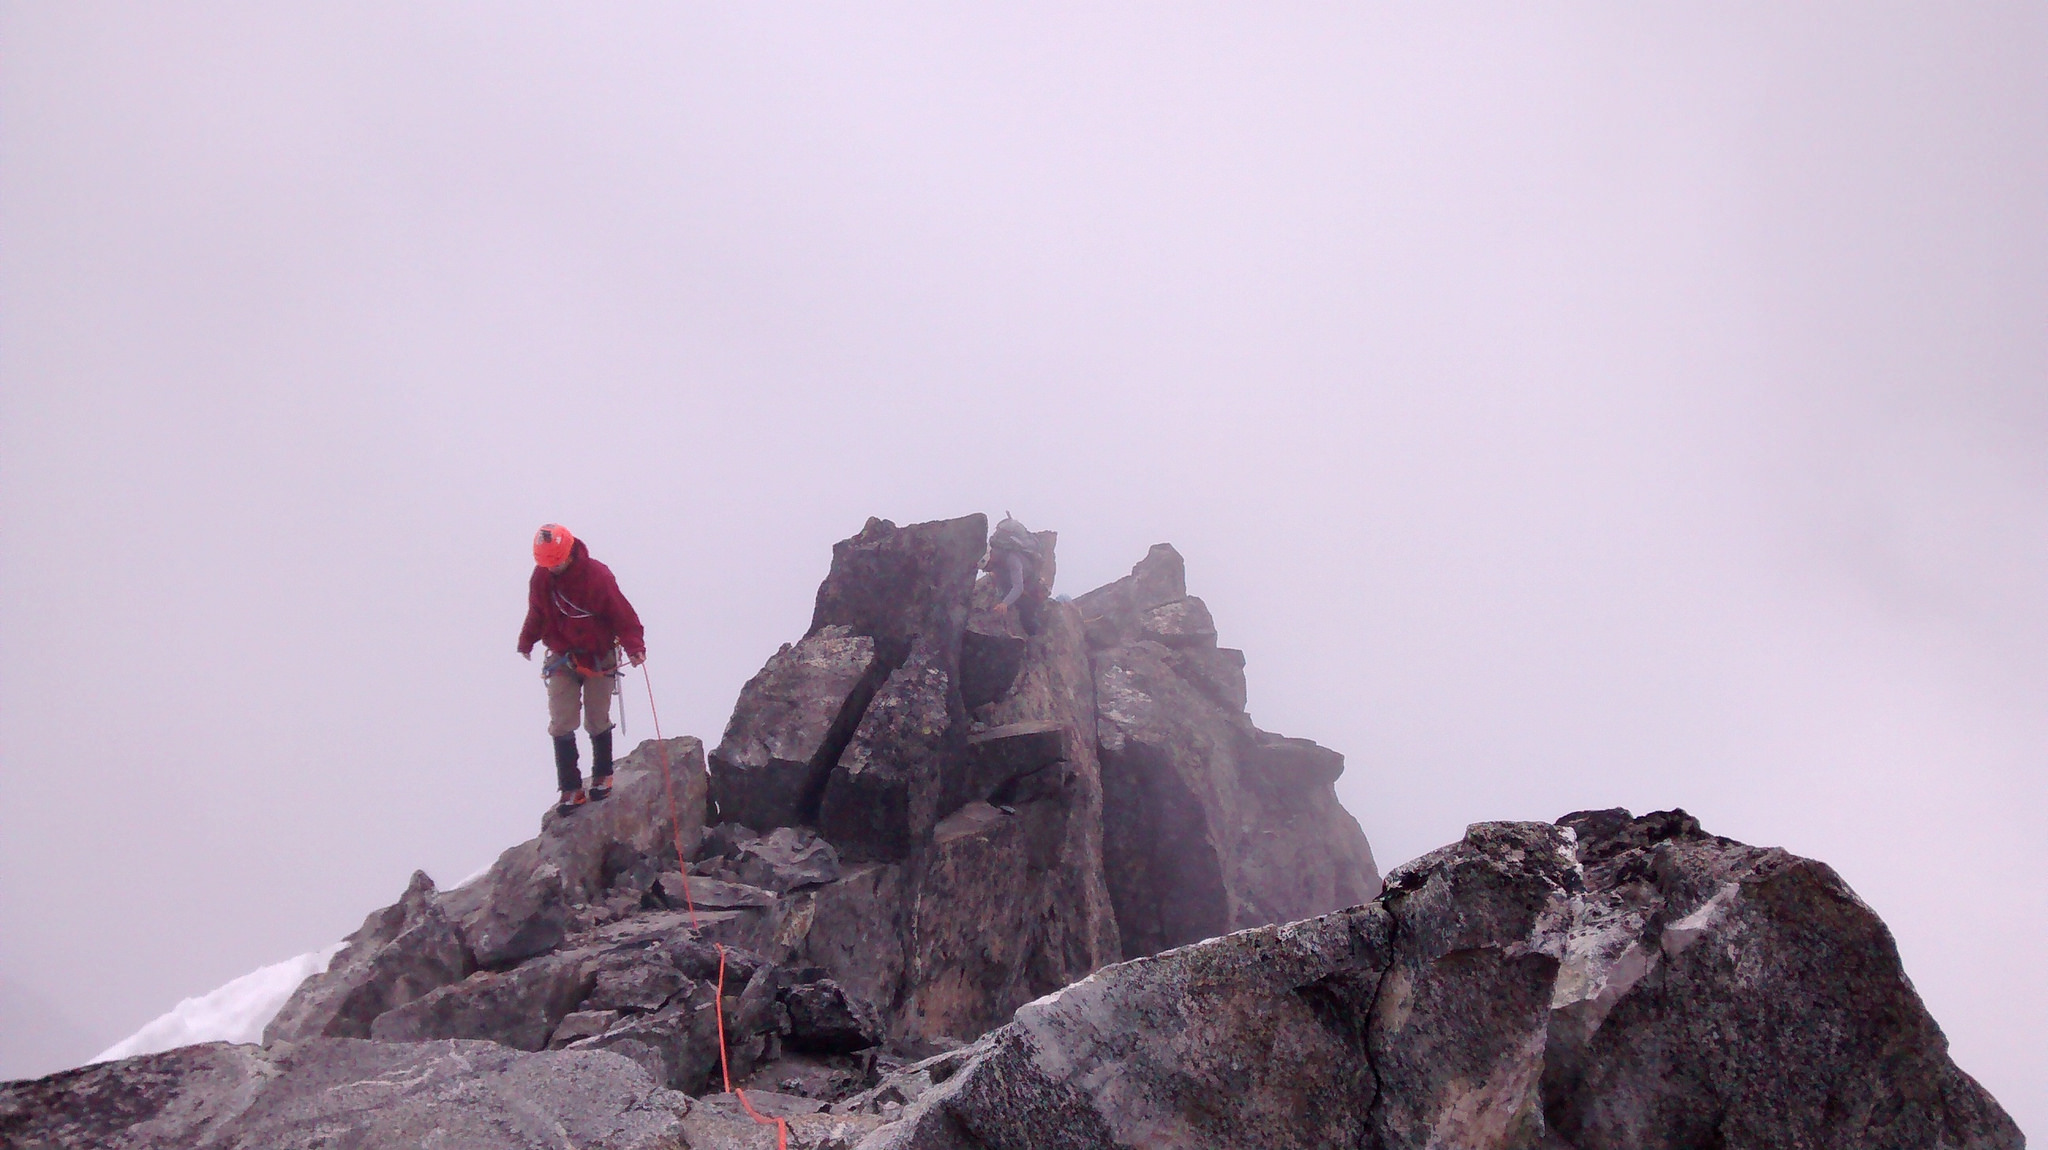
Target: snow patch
475,875
236,1012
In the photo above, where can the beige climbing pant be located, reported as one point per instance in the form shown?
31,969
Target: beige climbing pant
568,692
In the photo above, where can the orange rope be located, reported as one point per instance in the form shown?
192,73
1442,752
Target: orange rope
718,1006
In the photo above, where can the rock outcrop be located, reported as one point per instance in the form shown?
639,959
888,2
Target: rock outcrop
924,812
904,890
400,953
525,906
908,840
1604,983
1010,823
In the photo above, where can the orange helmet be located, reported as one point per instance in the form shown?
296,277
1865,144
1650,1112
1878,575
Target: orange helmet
551,544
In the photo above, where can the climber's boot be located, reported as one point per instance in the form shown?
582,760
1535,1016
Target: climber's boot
601,765
567,777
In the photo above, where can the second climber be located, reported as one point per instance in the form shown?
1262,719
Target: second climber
1015,559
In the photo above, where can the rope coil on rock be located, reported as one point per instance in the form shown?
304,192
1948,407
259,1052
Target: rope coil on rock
682,864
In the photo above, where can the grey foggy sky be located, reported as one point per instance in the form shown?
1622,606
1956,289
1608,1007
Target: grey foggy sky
1579,407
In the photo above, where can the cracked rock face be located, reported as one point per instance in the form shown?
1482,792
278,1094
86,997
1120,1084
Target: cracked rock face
791,724
869,810
1604,982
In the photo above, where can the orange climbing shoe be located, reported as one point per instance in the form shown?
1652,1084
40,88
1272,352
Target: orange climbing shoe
600,788
570,801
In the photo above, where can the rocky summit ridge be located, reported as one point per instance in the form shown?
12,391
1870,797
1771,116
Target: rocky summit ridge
957,878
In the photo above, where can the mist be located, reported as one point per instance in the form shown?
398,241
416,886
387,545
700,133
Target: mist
1571,408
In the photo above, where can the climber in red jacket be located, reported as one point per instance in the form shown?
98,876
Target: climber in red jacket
573,606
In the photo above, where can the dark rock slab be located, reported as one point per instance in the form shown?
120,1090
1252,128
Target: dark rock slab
135,1102
1185,622
766,1103
639,987
870,808
999,756
519,1008
1110,614
989,661
783,860
345,1093
677,1045
1011,904
1217,672
825,1019
856,932
1170,798
582,1024
713,894
896,584
1284,763
1210,825
400,953
789,726
979,948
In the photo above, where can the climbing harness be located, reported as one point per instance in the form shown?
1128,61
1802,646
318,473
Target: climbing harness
718,1011
583,665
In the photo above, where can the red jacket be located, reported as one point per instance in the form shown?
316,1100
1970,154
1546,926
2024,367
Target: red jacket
579,610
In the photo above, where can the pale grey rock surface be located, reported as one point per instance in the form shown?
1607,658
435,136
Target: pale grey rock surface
342,1093
1603,983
